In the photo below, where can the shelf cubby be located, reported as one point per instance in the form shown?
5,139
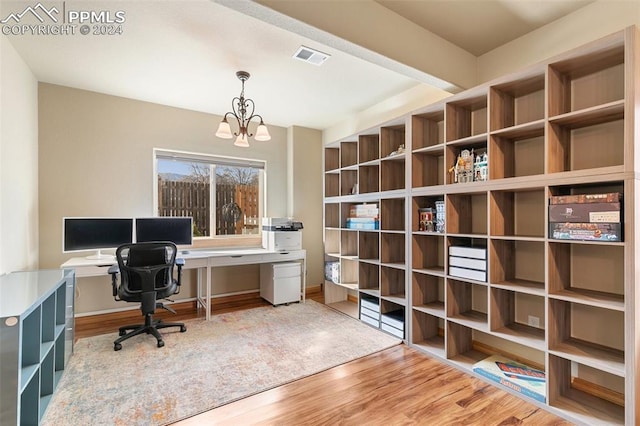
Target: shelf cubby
331,159
369,276
392,173
517,102
518,265
369,179
466,213
332,215
369,246
428,294
466,118
392,284
584,82
428,254
590,395
590,274
427,130
460,345
349,243
391,137
518,213
422,202
467,304
428,167
332,242
368,148
393,318
427,333
392,249
517,152
579,144
348,182
348,154
349,273
598,341
476,145
518,317
331,184
392,214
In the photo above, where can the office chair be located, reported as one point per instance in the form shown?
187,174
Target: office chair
146,276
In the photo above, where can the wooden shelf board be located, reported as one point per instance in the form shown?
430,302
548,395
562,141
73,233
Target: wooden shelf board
371,261
432,346
432,233
434,309
432,150
345,307
350,167
332,172
586,409
395,265
397,299
591,298
522,131
611,111
524,335
439,272
349,257
605,359
533,238
472,319
469,140
521,286
397,157
26,373
428,191
332,254
468,359
349,286
370,291
375,162
393,231
596,243
392,193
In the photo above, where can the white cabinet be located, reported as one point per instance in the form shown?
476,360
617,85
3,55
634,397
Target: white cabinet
280,282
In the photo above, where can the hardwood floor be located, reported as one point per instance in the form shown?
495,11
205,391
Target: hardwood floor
397,386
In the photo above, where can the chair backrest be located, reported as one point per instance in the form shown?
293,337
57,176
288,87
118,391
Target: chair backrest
136,259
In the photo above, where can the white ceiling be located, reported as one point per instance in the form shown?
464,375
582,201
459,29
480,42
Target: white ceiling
186,53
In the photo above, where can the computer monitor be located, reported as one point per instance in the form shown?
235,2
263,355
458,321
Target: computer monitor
178,230
95,233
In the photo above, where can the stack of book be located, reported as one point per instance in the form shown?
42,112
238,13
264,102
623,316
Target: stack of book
586,217
363,216
468,262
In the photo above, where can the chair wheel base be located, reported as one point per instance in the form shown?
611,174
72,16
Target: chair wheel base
117,346
160,343
183,329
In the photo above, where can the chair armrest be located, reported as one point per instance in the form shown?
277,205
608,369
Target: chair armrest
113,271
180,261
179,264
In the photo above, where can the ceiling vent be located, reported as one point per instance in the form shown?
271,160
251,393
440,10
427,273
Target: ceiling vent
311,56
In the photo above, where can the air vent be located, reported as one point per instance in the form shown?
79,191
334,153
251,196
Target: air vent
311,56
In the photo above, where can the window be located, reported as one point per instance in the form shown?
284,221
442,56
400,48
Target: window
224,195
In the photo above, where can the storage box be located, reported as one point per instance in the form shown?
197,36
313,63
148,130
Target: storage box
611,197
363,223
472,274
586,231
585,212
513,375
466,262
332,271
473,252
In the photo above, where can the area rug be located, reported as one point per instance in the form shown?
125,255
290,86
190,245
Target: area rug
215,362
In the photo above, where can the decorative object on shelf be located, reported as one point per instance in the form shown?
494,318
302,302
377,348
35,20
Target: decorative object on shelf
470,167
440,216
332,271
480,167
426,219
398,151
363,216
242,109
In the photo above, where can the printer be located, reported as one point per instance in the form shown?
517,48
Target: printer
281,234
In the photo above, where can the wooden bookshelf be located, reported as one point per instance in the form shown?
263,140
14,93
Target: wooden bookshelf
561,127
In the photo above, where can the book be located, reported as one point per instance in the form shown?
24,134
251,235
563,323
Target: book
513,375
611,197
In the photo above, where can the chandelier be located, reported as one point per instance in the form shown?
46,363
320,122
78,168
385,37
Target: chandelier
242,110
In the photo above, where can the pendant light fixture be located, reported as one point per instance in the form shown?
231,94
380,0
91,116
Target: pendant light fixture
242,109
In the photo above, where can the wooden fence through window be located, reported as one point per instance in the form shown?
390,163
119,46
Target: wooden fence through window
236,206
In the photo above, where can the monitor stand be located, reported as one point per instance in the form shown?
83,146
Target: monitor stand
100,256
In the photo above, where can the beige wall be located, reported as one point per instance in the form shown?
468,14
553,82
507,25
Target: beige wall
96,160
18,163
305,198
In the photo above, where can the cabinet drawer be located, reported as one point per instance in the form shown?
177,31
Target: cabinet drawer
370,321
285,270
370,305
392,330
369,312
235,260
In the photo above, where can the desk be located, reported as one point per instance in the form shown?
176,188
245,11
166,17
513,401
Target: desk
204,261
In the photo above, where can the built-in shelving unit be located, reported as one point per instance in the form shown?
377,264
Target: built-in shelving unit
565,307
